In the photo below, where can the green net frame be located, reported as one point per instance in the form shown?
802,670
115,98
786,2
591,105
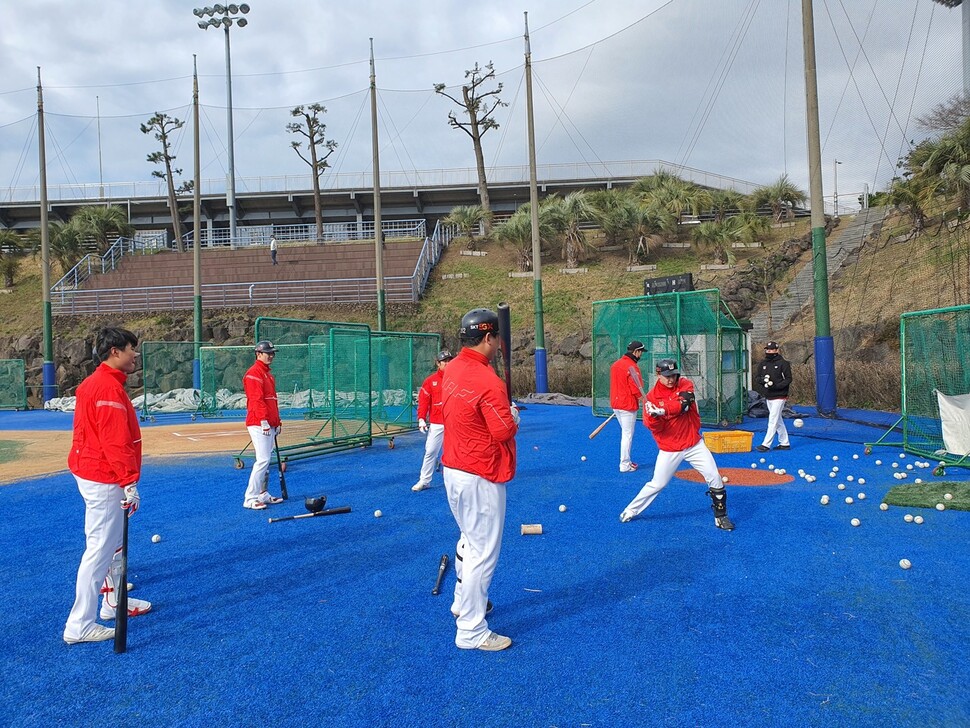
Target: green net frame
13,384
695,329
934,347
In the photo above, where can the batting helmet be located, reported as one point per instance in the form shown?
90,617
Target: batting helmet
478,322
265,347
667,368
444,355
634,346
315,505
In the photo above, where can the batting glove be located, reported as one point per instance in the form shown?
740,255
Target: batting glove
422,425
515,414
132,499
653,410
266,428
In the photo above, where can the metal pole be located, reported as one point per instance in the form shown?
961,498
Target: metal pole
542,384
835,185
231,191
825,397
97,101
196,235
50,387
378,231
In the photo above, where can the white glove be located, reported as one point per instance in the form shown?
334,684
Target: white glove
515,414
655,411
422,425
266,428
132,499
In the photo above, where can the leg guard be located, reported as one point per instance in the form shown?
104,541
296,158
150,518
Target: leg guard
719,506
109,605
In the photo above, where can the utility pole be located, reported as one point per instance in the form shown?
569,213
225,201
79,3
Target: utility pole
378,229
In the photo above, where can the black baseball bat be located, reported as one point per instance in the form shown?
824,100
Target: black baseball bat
327,512
279,465
505,332
121,611
442,568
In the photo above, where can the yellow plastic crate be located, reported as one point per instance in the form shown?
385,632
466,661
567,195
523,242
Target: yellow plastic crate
729,441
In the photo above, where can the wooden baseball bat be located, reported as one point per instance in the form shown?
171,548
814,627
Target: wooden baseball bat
121,611
442,568
603,424
279,465
327,512
505,332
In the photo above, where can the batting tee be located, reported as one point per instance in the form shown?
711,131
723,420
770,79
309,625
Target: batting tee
13,384
934,347
693,328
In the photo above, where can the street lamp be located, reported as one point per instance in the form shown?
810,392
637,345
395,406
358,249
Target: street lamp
228,15
835,186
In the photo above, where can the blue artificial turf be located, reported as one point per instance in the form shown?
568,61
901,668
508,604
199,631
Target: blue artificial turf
795,618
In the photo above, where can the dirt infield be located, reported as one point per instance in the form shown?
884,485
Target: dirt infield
45,452
740,476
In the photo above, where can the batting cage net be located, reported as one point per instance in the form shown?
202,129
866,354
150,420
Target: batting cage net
167,373
694,329
934,350
13,384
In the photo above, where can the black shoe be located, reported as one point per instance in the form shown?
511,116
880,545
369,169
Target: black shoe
762,448
724,523
783,447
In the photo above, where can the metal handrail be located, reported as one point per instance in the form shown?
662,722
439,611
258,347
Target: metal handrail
111,259
333,232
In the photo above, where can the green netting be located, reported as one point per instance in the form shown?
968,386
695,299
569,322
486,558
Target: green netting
298,331
168,378
692,328
934,350
400,362
13,384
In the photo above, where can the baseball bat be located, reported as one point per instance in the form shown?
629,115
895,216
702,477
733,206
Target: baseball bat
505,332
327,512
599,429
442,568
121,611
279,465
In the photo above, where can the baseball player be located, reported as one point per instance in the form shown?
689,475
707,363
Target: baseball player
626,388
773,379
263,423
669,410
105,460
478,460
429,419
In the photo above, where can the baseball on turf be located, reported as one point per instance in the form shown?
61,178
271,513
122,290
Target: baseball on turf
841,486
855,522
848,499
861,496
904,564
908,518
583,458
562,508
940,507
824,500
377,513
948,496
156,538
798,422
883,506
918,519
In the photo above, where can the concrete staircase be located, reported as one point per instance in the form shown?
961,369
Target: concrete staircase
841,249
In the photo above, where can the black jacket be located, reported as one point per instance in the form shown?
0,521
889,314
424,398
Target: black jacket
778,371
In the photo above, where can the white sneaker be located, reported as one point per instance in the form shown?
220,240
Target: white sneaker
136,607
417,487
495,642
627,516
98,633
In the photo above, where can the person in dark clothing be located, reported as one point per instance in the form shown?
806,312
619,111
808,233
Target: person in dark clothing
773,379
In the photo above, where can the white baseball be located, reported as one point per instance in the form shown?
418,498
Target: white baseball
902,455
879,462
798,422
862,481
948,496
754,465
835,457
156,538
377,513
908,518
855,456
850,478
940,507
918,519
855,522
883,506
848,499
562,508
818,457
583,458
762,460
904,564
861,496
841,486
824,500
724,478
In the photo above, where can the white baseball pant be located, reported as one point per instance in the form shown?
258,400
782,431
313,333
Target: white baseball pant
628,421
776,423
432,448
103,522
263,446
478,506
700,459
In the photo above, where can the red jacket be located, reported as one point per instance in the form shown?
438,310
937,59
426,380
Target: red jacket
479,429
429,399
624,390
106,447
675,430
261,403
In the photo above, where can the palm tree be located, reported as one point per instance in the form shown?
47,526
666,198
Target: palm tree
613,211
646,222
11,247
717,237
749,226
915,197
724,202
566,214
467,219
949,159
103,225
517,231
781,197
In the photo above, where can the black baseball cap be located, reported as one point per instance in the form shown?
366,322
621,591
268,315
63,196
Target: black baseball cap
771,346
634,345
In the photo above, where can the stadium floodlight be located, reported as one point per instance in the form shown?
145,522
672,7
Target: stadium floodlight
244,8
204,24
242,22
233,9
220,9
198,12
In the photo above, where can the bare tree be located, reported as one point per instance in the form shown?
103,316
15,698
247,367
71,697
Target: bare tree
479,106
946,115
163,126
315,132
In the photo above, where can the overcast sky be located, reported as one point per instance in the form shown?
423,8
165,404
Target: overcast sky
716,85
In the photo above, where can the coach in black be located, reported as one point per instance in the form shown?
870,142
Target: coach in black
772,379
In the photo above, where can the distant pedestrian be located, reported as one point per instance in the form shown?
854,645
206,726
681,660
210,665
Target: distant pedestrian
105,460
773,379
263,423
626,389
430,419
272,248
